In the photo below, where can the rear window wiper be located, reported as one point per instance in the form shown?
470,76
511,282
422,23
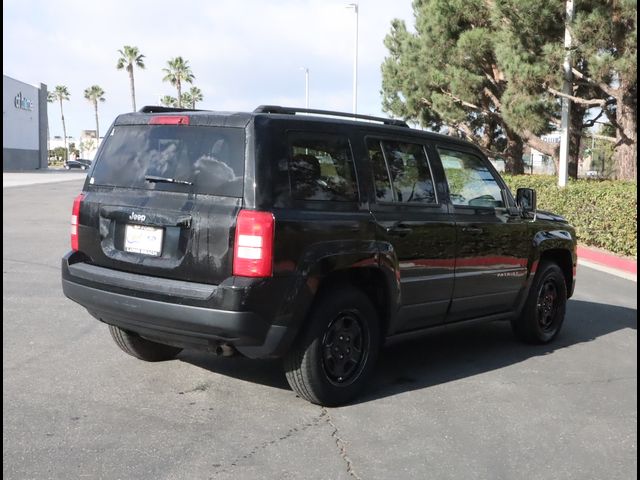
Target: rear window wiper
154,179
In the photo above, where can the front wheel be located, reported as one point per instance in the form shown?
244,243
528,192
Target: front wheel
141,348
333,359
544,310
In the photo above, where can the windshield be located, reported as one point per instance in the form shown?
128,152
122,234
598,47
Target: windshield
208,160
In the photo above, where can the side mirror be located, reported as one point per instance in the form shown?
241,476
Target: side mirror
526,199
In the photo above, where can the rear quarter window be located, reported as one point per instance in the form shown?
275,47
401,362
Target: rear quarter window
205,160
321,168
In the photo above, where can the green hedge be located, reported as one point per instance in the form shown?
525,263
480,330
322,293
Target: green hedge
603,212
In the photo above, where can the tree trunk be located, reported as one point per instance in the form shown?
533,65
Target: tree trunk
132,85
514,153
95,106
179,87
575,137
625,157
64,132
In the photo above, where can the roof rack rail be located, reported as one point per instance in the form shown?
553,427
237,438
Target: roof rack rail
291,110
161,109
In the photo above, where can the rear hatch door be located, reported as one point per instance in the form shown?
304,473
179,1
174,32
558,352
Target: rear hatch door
163,197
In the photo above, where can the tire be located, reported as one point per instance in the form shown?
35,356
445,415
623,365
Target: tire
142,348
335,355
544,310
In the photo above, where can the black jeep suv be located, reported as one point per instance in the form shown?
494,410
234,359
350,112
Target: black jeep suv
313,237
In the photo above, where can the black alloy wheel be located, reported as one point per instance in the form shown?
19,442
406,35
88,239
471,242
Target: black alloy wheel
543,312
345,348
547,305
334,357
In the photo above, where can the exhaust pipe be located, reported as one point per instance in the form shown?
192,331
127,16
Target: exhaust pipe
225,350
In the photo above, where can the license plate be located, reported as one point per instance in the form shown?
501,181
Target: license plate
142,239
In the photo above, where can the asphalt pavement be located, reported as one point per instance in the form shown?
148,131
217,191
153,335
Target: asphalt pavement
466,404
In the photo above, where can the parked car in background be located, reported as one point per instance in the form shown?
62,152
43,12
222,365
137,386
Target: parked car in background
81,163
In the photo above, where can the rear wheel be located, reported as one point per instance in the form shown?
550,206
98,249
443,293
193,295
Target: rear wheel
141,348
333,359
544,310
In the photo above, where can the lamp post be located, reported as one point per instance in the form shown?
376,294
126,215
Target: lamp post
566,103
306,86
355,60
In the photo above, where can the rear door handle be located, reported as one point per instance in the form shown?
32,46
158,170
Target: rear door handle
399,230
474,230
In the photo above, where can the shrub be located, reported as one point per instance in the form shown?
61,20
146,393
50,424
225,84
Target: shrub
603,212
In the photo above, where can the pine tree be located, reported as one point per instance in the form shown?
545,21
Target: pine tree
606,39
492,69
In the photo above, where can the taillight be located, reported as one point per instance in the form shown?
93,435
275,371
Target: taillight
169,120
253,250
75,216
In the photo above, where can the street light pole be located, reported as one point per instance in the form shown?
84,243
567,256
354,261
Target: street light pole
566,103
355,60
306,86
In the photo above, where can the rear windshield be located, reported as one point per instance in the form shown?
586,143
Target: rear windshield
177,158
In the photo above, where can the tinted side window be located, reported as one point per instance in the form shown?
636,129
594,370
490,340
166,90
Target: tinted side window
321,168
470,181
406,177
384,192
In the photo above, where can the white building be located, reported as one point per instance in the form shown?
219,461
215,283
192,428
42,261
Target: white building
541,163
58,142
85,144
88,145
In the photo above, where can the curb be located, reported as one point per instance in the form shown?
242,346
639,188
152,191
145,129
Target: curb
608,262
21,179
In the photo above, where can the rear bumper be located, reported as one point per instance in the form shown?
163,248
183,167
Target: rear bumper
172,322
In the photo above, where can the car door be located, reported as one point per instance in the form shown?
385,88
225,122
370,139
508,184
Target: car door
412,219
492,245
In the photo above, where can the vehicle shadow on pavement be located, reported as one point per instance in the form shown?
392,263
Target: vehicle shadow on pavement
467,351
442,356
265,372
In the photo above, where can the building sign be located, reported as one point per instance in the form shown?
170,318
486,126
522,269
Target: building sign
22,103
552,138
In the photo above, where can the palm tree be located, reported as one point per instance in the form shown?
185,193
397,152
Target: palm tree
51,98
130,57
95,94
178,72
169,101
186,99
61,93
195,95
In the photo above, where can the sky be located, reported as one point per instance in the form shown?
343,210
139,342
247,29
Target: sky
243,53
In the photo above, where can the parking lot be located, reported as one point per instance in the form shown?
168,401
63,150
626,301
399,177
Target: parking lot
466,404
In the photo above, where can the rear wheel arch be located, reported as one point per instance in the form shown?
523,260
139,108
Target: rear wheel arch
371,281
